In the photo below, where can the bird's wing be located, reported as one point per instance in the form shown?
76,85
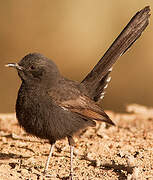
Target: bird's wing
87,108
69,96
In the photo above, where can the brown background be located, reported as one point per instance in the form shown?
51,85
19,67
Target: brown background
75,34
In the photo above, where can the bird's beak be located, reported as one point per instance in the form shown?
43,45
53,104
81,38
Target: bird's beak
14,65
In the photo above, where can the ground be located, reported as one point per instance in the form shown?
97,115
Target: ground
124,151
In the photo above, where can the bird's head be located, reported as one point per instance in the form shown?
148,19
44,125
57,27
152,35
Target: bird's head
36,68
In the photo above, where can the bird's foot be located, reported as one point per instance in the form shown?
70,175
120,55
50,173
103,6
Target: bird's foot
47,175
70,176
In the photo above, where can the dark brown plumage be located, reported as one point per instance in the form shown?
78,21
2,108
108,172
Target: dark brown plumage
52,107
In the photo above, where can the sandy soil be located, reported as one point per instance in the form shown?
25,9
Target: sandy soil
107,153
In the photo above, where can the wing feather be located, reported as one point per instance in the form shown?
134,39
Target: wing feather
86,108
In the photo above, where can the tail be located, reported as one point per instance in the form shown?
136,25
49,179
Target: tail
96,81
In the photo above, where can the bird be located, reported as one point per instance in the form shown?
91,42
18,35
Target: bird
50,106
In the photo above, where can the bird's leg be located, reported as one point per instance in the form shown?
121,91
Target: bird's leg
71,143
48,159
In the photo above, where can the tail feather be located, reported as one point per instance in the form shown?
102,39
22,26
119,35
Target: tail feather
101,87
96,79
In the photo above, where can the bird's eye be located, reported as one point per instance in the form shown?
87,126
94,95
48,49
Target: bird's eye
32,67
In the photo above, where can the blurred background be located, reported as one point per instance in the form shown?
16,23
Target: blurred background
75,34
